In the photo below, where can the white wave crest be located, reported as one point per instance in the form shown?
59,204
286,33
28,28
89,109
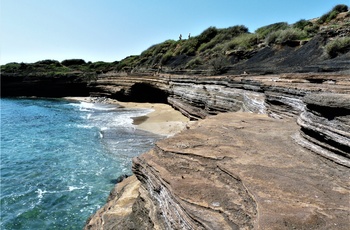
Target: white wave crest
72,188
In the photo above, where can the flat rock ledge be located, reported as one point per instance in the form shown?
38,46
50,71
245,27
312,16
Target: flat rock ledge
230,171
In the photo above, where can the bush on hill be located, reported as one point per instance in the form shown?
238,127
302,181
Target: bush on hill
197,61
127,63
218,64
338,46
70,62
242,42
340,8
301,24
48,62
166,57
311,30
101,66
188,47
223,36
284,35
332,14
11,67
207,35
264,31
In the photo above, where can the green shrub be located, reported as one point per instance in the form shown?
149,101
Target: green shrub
218,64
70,62
147,53
219,48
272,37
11,67
340,8
238,29
264,31
166,57
338,46
291,34
48,62
207,35
233,31
100,66
46,65
282,36
312,29
332,14
128,62
223,36
301,24
242,42
164,47
194,63
187,47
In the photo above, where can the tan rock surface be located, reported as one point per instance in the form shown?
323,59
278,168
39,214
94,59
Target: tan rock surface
118,207
243,171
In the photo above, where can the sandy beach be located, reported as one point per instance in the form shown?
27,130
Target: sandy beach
163,120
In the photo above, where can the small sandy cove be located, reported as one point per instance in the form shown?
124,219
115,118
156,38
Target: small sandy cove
164,120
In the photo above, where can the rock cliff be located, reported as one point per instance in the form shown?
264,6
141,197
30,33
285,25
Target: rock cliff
280,161
271,153
233,171
325,125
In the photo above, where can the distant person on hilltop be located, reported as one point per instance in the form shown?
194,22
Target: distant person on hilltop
189,35
180,37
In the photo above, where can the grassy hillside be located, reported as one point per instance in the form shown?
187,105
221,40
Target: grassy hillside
215,49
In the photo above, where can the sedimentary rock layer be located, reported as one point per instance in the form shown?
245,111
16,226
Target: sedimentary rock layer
236,171
325,126
199,96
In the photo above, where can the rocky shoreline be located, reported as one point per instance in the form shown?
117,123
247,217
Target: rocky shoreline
267,152
230,171
237,170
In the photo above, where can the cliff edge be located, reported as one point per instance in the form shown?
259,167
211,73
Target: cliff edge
233,171
283,163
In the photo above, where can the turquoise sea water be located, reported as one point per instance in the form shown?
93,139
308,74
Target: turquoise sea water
59,160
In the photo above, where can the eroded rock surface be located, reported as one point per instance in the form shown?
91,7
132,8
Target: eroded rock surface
245,170
237,171
325,126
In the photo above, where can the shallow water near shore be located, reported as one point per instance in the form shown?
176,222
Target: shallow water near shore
59,159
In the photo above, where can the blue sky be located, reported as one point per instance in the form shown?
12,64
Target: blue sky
110,30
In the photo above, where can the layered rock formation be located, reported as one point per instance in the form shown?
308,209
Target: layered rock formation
244,170
200,96
325,126
233,171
